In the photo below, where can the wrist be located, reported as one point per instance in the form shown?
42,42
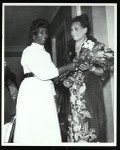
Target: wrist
68,67
96,70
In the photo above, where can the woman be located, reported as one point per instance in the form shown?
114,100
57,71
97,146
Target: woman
86,119
36,115
10,96
11,90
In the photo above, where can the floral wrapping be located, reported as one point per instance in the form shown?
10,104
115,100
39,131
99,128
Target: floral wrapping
80,128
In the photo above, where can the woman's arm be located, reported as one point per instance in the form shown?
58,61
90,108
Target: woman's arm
97,70
64,70
69,67
93,68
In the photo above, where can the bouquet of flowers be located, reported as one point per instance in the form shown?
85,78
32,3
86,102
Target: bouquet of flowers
93,53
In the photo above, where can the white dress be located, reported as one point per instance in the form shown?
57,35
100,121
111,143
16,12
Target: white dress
36,116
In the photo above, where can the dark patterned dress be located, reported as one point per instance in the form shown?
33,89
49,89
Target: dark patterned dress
86,118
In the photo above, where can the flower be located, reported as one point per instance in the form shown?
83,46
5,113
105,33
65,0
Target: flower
78,102
85,113
100,54
76,120
89,44
82,88
67,84
73,98
76,136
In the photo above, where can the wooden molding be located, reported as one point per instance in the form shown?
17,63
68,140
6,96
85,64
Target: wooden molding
13,54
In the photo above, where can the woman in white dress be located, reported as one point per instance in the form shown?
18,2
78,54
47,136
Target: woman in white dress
36,114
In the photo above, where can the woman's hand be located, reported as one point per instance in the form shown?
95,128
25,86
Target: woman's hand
85,66
71,66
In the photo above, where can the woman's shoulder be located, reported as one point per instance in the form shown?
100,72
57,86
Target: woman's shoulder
26,51
93,39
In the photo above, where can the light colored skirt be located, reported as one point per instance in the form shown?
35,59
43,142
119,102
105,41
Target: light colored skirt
36,117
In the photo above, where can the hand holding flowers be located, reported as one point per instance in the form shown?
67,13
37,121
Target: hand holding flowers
72,65
95,54
91,54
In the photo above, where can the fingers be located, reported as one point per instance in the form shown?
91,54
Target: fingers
86,51
82,67
85,66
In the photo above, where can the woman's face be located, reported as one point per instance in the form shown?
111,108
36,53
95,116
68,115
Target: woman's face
41,36
77,31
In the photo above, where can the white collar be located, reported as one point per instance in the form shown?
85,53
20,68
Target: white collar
37,45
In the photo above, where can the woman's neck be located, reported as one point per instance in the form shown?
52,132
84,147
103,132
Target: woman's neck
78,45
82,39
38,42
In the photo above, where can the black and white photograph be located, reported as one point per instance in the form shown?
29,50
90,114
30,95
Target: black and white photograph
59,74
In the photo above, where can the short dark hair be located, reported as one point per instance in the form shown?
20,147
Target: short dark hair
84,21
36,24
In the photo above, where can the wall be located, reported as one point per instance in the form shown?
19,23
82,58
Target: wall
18,19
60,35
88,10
100,31
111,35
13,58
111,14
